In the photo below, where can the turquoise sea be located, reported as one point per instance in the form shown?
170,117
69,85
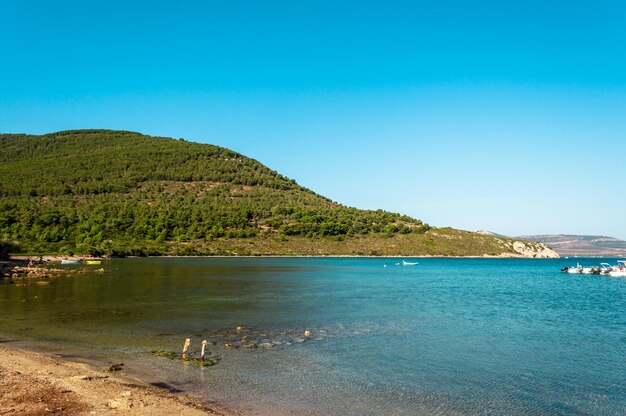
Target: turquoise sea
444,337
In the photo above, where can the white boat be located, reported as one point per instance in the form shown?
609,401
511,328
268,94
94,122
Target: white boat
70,261
605,268
578,269
406,263
619,270
588,270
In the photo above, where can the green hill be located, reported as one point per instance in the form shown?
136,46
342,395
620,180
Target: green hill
124,193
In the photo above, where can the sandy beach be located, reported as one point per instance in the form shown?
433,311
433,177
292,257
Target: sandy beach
36,384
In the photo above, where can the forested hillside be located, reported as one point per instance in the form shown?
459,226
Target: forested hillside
121,193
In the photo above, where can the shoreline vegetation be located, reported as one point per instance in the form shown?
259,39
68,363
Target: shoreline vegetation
34,383
439,242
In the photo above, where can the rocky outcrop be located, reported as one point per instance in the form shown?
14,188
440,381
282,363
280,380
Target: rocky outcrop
531,249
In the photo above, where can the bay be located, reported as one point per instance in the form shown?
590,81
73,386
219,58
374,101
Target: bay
445,336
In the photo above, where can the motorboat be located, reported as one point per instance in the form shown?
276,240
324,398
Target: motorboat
64,261
605,268
596,270
618,270
406,263
578,269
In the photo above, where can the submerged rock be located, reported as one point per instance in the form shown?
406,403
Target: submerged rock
116,367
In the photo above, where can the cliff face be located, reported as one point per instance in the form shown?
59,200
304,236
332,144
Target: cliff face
534,250
523,246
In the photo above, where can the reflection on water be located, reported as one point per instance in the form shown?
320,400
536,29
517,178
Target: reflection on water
448,336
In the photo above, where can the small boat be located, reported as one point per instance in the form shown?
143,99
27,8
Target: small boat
578,269
406,263
619,270
93,262
70,261
596,270
587,270
605,268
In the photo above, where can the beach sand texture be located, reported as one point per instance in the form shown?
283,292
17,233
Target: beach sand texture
35,384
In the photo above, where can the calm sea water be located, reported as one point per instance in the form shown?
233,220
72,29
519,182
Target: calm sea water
446,336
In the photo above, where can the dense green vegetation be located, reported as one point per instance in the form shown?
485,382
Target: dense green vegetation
121,193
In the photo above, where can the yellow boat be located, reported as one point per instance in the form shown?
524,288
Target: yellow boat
92,262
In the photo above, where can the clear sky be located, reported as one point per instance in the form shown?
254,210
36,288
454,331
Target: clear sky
508,116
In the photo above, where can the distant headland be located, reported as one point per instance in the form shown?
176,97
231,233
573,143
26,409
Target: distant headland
582,245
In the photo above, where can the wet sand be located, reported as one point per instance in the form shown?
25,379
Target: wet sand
36,384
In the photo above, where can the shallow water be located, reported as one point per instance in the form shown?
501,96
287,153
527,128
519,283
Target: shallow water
447,336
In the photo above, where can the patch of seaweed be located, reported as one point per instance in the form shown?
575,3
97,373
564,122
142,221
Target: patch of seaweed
207,362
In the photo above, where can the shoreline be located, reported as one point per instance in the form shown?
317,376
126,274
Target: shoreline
55,258
17,264
38,383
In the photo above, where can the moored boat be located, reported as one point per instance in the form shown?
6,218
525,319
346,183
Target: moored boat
93,262
578,269
604,269
618,270
64,261
596,270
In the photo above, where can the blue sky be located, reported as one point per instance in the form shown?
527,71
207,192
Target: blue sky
505,116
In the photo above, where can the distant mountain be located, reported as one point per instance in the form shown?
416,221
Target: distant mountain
125,193
581,245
